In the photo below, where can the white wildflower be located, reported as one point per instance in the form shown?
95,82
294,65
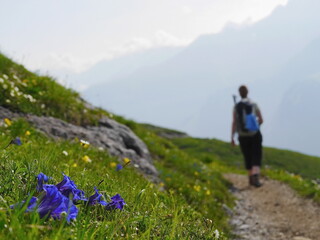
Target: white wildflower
5,76
8,101
43,105
12,93
217,234
1,80
5,86
65,153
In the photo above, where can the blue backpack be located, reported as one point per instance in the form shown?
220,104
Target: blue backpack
247,120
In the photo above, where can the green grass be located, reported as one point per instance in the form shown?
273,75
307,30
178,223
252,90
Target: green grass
149,213
209,150
297,170
24,91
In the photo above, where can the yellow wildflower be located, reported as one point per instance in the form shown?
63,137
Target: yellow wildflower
74,165
86,159
196,173
8,122
126,161
27,133
197,188
208,192
161,184
113,164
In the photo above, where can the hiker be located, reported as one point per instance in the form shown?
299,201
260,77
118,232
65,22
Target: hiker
246,122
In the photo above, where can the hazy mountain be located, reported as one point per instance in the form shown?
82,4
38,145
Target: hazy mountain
121,67
191,91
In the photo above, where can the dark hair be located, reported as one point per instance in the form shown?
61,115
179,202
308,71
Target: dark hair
243,91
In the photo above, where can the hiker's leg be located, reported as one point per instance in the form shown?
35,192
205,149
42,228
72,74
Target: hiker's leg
255,170
257,158
256,153
245,147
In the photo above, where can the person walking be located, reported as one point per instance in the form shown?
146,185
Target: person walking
247,119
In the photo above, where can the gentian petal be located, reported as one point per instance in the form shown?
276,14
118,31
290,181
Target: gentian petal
116,202
96,198
119,167
31,205
41,178
16,141
67,188
54,204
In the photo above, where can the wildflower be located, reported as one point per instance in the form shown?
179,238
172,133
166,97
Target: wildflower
196,173
5,86
51,204
27,133
41,179
5,76
113,164
86,159
208,192
74,165
126,161
84,143
65,153
216,233
96,198
1,80
161,184
119,167
31,204
8,122
8,101
69,189
116,202
197,188
16,141
54,204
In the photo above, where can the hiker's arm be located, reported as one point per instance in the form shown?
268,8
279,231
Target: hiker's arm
233,128
260,119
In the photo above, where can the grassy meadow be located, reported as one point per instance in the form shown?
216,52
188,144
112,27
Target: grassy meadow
190,202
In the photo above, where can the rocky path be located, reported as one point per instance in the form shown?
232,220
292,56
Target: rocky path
272,212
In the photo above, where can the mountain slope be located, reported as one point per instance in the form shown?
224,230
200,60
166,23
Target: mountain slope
198,82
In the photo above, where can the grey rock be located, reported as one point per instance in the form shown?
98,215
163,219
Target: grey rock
116,138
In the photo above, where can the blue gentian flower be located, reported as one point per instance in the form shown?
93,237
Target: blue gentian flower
119,167
41,179
67,188
96,199
53,204
16,141
31,204
116,202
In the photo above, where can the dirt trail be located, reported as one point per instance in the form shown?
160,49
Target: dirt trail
272,212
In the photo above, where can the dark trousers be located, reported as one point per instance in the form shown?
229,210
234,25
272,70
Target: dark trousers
251,147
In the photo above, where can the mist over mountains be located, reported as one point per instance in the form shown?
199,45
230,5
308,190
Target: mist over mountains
191,89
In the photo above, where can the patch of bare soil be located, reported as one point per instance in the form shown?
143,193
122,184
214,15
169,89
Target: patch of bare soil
272,212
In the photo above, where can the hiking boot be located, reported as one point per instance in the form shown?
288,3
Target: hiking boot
251,180
254,180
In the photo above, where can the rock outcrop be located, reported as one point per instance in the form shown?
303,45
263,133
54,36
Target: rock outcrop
110,135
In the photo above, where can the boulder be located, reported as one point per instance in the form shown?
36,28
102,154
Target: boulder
110,135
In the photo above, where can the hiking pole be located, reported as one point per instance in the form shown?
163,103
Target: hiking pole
234,99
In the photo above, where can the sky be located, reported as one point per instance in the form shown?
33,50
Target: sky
73,35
